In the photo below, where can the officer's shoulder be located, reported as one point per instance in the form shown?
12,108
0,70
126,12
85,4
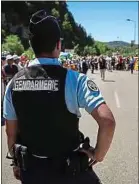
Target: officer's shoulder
16,76
75,75
33,62
19,74
21,71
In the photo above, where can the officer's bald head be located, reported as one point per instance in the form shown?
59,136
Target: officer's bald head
45,33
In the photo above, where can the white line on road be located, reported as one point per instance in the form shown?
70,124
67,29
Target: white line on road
117,99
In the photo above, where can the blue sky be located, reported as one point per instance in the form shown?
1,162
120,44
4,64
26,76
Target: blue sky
107,20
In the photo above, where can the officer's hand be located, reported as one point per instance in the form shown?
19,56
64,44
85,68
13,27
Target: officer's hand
16,171
92,154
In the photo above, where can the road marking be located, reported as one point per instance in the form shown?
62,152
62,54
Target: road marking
117,99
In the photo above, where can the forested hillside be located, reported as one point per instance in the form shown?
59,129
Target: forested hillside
118,44
15,19
16,14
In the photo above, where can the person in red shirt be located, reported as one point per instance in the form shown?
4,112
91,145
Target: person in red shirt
120,62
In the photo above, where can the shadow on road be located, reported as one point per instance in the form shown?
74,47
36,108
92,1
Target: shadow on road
96,73
109,81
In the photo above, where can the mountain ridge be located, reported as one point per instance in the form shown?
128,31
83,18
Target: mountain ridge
117,43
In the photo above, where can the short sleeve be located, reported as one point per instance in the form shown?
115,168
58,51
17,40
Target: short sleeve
8,108
88,94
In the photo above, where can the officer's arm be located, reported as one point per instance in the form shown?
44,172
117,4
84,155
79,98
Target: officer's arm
104,117
90,98
10,117
11,131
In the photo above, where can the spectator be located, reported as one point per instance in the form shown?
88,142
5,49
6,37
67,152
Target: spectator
127,63
132,62
3,77
102,66
17,62
10,69
84,67
3,60
109,61
120,63
113,63
92,64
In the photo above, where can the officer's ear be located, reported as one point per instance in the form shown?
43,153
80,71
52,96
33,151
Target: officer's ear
58,45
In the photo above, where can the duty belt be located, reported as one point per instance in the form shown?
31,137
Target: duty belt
41,157
73,164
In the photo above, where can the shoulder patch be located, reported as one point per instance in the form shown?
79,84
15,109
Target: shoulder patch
92,86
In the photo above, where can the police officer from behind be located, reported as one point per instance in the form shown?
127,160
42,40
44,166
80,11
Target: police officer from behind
41,108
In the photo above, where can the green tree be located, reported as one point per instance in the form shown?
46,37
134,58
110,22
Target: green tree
101,47
89,50
13,44
93,51
90,41
86,50
66,23
67,30
67,26
109,53
55,13
77,49
29,53
3,34
137,51
73,33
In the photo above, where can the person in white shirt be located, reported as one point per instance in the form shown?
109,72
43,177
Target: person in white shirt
17,62
109,61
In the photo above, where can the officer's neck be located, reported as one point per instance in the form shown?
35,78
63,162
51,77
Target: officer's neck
47,55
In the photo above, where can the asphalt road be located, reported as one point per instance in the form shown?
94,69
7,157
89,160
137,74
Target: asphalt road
120,166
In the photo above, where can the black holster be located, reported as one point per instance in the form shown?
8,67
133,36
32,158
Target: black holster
20,156
78,162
